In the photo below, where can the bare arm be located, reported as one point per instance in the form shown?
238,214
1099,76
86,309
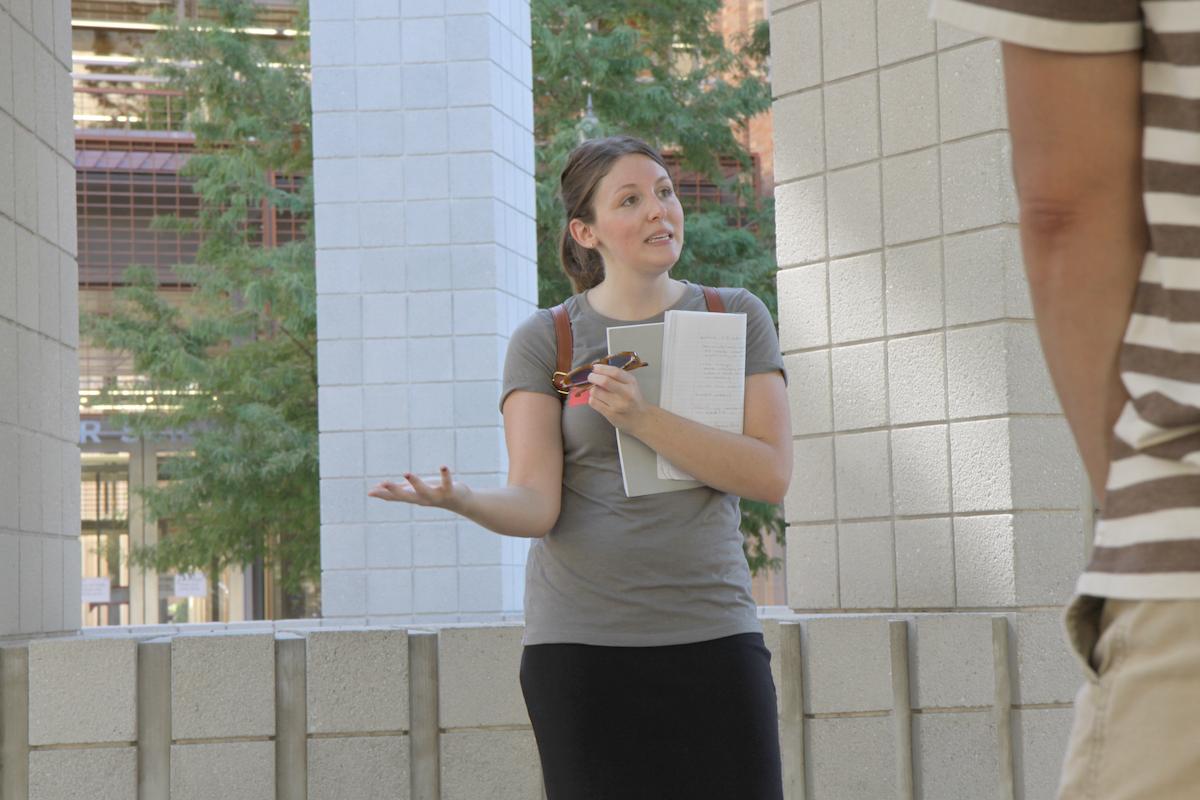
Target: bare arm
756,464
528,506
1076,133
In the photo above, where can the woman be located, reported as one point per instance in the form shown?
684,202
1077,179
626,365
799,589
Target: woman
644,669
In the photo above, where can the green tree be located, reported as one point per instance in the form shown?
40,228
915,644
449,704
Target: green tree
235,363
659,71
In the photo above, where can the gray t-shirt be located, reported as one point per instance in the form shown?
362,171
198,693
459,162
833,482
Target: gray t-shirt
631,571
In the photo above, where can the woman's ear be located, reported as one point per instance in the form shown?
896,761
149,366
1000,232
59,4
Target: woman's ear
582,233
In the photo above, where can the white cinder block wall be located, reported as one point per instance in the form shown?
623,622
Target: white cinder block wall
423,145
933,468
39,323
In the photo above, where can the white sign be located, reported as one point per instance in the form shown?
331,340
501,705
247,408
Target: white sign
97,590
193,585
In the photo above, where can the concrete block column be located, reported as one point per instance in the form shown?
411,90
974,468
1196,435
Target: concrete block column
934,469
423,146
39,324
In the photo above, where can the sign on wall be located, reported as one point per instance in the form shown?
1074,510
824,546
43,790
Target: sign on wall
193,585
97,590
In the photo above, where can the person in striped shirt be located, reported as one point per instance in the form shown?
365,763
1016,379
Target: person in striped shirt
1104,113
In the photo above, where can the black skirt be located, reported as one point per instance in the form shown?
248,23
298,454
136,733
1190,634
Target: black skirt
677,722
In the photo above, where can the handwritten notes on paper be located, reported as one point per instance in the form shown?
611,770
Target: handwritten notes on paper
704,365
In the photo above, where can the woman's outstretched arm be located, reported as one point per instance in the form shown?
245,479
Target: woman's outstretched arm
528,506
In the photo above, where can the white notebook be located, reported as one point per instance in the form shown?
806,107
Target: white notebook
703,373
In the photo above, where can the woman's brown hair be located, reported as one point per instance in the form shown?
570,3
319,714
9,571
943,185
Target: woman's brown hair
586,165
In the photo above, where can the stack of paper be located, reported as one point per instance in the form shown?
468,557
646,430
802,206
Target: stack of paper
704,373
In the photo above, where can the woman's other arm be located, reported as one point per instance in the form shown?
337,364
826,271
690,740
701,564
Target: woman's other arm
756,464
528,506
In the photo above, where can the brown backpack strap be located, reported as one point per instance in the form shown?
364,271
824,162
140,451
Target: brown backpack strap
713,300
566,345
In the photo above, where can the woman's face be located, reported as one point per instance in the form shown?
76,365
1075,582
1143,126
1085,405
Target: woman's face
638,220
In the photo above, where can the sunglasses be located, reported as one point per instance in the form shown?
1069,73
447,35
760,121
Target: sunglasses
565,381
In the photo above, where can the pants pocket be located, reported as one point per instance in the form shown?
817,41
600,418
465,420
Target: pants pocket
1082,623
1095,631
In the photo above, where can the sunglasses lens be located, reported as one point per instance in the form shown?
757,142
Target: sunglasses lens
579,378
620,361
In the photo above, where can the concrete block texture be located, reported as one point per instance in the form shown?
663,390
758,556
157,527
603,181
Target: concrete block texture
1048,555
855,218
90,774
916,377
222,686
478,677
495,764
82,692
847,37
985,277
924,563
799,129
852,121
812,567
1040,742
803,307
859,387
850,757
996,369
358,768
863,475
981,463
971,90
245,770
905,30
810,497
983,561
357,681
866,565
1047,671
856,298
811,405
910,197
796,43
847,665
951,656
955,756
913,281
977,186
921,470
1047,471
800,213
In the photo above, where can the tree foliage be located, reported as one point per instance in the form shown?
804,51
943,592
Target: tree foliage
234,362
659,71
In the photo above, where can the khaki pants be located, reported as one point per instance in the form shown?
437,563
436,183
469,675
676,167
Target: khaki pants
1136,734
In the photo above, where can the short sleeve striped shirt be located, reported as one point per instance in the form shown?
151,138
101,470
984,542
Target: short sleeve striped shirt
1147,545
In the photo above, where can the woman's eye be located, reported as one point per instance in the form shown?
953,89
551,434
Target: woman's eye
626,202
667,191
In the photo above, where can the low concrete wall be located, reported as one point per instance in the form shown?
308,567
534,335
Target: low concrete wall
871,706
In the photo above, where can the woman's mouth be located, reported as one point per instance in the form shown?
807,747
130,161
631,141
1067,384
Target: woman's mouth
660,239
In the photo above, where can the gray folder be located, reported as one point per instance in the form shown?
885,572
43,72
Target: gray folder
639,464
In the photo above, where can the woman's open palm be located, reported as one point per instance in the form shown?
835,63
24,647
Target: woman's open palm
448,494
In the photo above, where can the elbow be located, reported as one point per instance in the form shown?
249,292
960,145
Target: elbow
1047,228
777,490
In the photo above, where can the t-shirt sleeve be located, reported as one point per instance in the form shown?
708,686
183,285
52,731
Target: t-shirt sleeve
1072,26
531,357
762,342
